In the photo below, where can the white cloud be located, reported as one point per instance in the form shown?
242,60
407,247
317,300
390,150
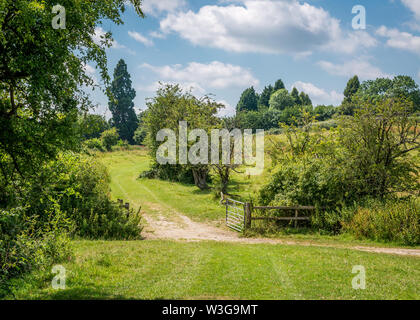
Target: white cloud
400,40
194,87
215,75
360,67
413,5
266,26
140,38
418,75
318,95
91,72
228,111
99,35
155,7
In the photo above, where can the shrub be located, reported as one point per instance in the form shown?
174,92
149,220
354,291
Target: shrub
110,138
390,221
94,144
28,243
140,136
80,185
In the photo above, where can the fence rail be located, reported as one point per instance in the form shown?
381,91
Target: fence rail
239,215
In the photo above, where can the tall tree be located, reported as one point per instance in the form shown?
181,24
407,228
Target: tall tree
42,72
352,86
248,101
304,99
121,104
279,85
264,100
295,96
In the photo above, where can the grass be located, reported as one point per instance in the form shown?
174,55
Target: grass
211,270
157,195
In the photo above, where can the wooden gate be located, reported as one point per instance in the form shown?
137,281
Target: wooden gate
235,214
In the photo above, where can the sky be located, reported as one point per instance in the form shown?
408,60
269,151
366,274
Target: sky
222,47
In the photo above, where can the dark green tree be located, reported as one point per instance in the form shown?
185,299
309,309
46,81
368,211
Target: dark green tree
264,100
304,99
279,85
352,86
248,101
121,104
295,96
347,106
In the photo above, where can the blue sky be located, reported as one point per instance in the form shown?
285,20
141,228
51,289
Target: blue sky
222,47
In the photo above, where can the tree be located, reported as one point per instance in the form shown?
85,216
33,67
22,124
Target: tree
347,106
280,100
165,111
92,125
304,99
399,86
248,101
295,96
110,138
279,85
377,142
121,103
42,72
264,100
352,87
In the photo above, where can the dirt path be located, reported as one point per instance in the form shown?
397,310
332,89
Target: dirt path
183,228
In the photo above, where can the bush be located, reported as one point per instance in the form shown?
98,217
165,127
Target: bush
95,144
110,138
28,243
175,173
390,221
140,136
80,186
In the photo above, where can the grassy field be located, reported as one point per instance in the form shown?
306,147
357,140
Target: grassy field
164,269
211,270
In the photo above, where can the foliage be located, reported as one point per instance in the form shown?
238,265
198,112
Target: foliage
30,243
248,101
80,186
399,87
278,85
376,145
323,113
172,105
347,106
94,144
281,99
110,138
264,99
121,104
397,221
91,126
42,73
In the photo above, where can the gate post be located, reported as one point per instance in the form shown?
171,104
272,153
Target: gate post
248,215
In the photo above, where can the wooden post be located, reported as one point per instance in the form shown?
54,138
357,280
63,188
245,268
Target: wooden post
296,215
248,215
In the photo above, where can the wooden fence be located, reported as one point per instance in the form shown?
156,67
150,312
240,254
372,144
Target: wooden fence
249,213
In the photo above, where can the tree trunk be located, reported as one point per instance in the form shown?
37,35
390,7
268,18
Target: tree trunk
200,177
